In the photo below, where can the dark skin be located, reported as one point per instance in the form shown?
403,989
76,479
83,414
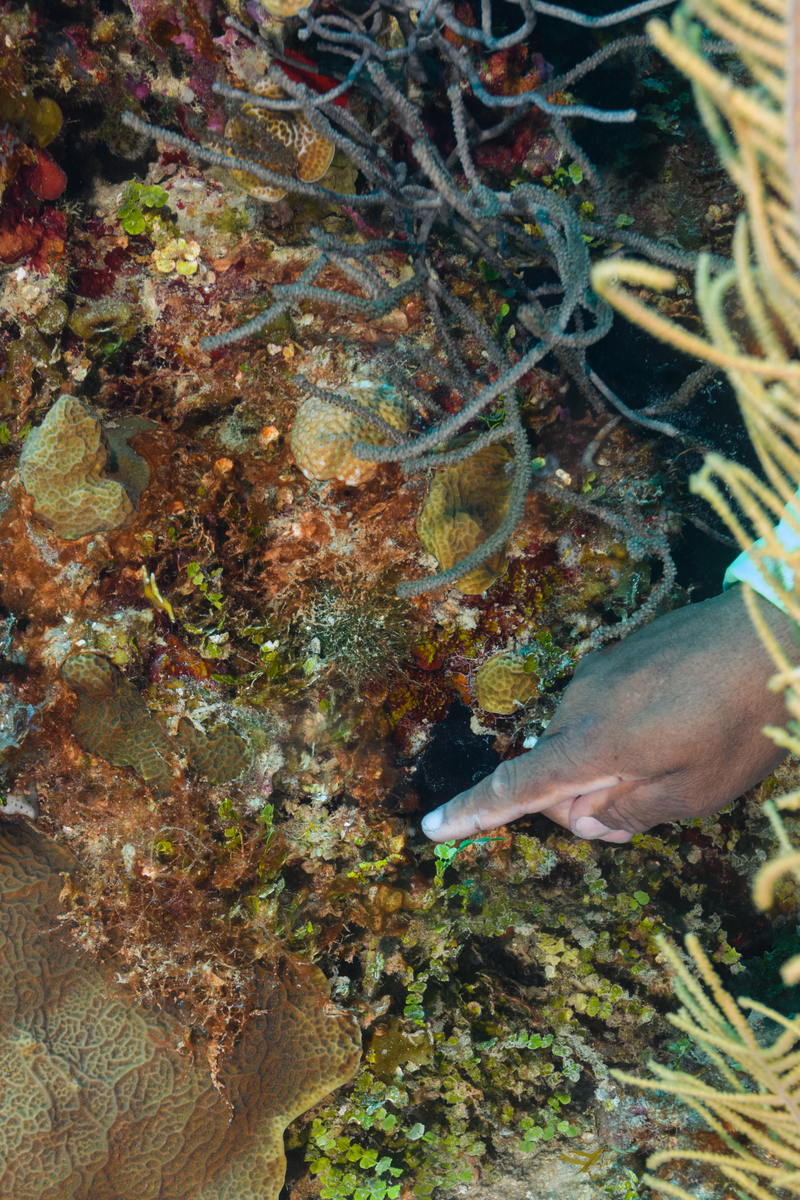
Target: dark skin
662,726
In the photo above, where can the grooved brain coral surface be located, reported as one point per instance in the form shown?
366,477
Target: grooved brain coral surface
113,721
64,466
99,1102
289,144
465,505
322,436
502,685
220,757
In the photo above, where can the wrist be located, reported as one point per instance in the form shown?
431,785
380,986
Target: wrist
780,624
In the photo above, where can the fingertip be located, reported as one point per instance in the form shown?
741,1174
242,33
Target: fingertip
618,837
431,823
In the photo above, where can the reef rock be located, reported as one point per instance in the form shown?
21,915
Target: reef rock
66,466
105,1101
323,435
465,505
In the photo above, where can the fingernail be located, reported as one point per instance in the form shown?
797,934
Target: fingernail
590,827
431,823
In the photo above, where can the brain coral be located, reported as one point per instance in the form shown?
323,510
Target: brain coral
220,757
66,466
502,685
113,721
465,505
103,1101
284,142
322,436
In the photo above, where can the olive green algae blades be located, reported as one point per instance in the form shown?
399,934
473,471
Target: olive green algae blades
102,1100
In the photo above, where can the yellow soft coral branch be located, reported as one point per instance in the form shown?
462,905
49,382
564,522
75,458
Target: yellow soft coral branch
756,129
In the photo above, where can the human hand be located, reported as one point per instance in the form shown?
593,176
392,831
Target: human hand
661,726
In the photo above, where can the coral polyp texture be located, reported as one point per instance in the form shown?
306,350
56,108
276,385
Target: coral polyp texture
220,756
65,467
284,142
323,435
284,8
113,721
104,1101
465,505
503,686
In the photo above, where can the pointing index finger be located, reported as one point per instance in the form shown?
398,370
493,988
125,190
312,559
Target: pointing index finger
528,784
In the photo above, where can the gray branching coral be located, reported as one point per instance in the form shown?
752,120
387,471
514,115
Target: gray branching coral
431,193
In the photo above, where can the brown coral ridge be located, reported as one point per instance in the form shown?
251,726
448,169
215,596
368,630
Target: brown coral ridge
78,485
465,505
113,721
101,1102
220,756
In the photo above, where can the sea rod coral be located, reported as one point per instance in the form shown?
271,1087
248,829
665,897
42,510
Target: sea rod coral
440,189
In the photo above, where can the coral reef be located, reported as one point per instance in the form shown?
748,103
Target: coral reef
104,1100
465,505
323,435
505,684
113,721
248,619
285,143
220,756
66,467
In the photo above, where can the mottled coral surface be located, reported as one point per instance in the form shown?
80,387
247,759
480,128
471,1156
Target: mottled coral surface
113,721
65,466
323,435
219,756
465,504
296,146
503,685
104,1101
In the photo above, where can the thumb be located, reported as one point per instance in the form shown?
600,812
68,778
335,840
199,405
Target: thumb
534,781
